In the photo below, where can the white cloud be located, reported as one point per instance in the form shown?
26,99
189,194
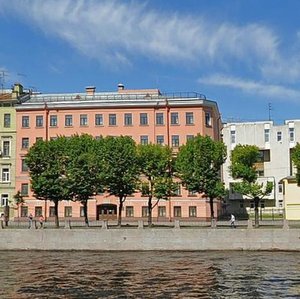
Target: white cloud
115,31
253,87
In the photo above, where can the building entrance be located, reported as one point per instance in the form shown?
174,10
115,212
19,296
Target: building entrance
106,211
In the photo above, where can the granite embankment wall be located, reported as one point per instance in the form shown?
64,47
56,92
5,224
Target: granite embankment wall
150,239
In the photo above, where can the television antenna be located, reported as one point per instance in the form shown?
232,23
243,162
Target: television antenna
3,74
270,109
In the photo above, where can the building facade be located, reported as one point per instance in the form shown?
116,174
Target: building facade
146,115
8,100
276,143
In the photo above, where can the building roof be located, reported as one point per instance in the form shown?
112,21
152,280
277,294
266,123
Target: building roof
120,98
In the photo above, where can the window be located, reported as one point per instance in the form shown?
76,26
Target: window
232,136
177,191
68,120
175,140
262,205
160,139
128,119
159,118
189,137
25,142
192,211
189,118
39,138
24,211
68,211
6,120
99,120
174,118
112,119
51,211
143,119
279,136
161,211
24,166
251,204
267,135
25,121
53,120
292,134
207,119
5,175
6,148
144,140
39,121
261,173
4,200
280,188
83,120
264,156
24,189
177,211
38,211
81,212
192,193
129,211
145,211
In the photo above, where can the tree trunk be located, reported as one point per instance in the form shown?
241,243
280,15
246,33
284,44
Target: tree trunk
256,216
120,211
150,211
56,213
211,203
86,220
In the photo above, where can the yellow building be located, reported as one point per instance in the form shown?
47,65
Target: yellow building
291,198
8,100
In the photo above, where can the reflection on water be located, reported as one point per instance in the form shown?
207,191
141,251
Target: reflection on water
34,274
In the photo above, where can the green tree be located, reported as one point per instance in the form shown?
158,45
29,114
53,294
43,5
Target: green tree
243,159
47,162
84,169
155,163
19,200
198,166
296,161
120,168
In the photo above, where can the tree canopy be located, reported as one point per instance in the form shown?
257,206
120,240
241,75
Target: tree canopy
47,162
198,165
296,161
243,159
120,168
155,163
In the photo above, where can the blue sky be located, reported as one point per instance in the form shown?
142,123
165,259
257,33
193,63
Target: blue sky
243,54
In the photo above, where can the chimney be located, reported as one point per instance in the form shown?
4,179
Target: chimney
120,87
90,90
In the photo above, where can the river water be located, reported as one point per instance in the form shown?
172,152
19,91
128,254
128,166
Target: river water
50,274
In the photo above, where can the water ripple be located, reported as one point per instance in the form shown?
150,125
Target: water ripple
72,275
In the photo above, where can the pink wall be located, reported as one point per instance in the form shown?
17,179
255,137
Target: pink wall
136,131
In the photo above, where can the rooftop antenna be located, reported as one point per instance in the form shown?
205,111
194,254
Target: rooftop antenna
270,109
3,74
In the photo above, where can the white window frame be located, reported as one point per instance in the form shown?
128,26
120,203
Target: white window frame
4,150
5,175
4,200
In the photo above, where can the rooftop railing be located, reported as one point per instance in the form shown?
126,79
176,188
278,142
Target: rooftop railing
115,96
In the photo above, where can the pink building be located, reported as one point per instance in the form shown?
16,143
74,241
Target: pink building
146,115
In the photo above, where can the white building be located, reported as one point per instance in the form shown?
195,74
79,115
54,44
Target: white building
275,143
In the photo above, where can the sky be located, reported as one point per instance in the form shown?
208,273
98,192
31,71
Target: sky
243,54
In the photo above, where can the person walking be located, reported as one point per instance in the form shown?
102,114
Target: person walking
232,221
41,220
30,220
